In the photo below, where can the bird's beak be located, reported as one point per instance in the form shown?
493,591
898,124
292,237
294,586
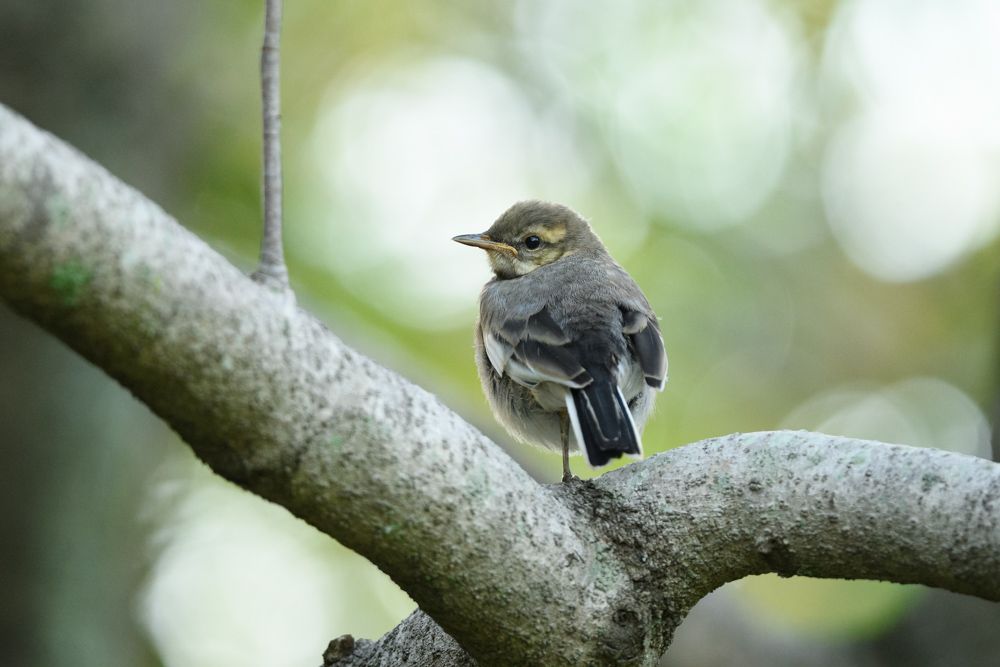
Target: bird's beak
483,241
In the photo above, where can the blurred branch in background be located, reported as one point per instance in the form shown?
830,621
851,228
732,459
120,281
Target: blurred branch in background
78,451
942,629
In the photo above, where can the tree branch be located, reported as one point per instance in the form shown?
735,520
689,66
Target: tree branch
519,573
416,641
272,269
808,504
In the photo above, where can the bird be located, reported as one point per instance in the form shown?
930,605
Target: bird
568,349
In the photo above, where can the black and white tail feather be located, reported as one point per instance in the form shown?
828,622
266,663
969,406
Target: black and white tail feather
602,421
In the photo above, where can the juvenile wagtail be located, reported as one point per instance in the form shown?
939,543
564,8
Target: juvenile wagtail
568,349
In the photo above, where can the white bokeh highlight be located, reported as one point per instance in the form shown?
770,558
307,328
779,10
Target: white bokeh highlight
238,583
696,97
417,152
920,412
911,182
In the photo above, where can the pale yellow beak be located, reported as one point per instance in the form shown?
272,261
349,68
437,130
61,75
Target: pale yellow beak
483,241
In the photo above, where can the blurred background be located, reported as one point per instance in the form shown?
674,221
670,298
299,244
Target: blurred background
808,191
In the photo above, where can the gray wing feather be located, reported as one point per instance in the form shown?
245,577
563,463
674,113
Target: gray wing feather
530,350
633,321
537,362
542,328
539,327
644,332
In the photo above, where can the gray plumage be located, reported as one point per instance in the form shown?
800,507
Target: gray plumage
567,347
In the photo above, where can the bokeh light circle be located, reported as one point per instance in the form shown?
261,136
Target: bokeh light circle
911,182
696,98
412,154
920,412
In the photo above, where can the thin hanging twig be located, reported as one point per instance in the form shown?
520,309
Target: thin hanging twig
272,268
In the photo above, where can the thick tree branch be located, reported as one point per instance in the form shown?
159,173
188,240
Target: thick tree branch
519,573
808,504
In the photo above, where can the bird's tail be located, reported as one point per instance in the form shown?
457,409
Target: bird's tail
602,423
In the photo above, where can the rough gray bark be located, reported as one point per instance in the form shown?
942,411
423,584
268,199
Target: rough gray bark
415,642
518,573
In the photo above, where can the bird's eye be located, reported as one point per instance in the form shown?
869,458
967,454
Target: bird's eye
532,242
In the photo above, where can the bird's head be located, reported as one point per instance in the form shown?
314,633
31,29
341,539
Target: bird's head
531,234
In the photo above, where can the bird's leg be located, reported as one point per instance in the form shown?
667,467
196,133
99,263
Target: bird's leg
564,432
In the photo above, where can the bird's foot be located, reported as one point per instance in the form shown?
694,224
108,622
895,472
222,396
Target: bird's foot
569,477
